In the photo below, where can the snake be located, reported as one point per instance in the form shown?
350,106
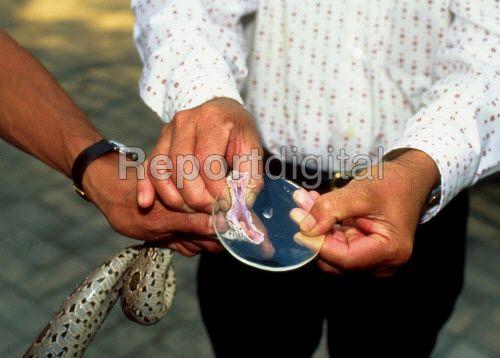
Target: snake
142,277
239,218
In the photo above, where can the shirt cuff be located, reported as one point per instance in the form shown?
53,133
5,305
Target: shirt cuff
166,98
445,144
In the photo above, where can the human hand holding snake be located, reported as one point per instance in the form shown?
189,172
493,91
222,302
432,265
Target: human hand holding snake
143,276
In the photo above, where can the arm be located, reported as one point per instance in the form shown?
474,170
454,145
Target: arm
192,50
458,127
454,139
37,116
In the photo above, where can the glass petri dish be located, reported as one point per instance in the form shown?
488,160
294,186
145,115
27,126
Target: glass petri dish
261,236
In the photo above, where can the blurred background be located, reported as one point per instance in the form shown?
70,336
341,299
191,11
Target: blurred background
51,239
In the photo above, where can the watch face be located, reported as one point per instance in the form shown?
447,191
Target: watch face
434,197
123,149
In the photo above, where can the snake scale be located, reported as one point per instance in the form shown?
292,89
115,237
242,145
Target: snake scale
143,276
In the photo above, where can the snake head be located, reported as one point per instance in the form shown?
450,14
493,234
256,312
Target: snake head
240,217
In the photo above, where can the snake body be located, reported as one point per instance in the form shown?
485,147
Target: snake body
143,276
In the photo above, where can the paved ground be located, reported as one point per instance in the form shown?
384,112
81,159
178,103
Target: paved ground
51,239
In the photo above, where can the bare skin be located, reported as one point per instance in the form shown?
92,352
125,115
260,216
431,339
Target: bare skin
369,224
38,117
219,127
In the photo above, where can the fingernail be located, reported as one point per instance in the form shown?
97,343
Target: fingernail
301,198
187,209
300,238
250,198
225,199
313,243
215,207
211,224
141,199
224,205
297,215
308,223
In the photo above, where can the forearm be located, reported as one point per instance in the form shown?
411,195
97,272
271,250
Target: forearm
36,114
210,54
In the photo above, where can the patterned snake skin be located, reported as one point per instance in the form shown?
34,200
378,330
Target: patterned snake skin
143,276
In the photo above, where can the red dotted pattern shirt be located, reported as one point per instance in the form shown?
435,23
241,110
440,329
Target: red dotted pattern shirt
359,75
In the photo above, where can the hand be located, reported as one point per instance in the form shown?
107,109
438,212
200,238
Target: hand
219,127
369,224
117,200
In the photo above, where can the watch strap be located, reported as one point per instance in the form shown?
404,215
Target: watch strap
85,158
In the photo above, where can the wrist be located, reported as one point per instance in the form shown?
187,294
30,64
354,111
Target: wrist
94,181
418,169
75,144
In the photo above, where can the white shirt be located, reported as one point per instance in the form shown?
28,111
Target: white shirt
351,74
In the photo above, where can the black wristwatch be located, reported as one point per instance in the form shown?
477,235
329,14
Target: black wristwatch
91,153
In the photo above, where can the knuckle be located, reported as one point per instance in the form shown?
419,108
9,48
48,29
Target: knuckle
173,201
154,224
212,114
209,110
345,264
324,204
195,200
181,117
402,253
200,223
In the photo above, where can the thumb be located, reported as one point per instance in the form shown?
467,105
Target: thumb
145,189
249,159
334,207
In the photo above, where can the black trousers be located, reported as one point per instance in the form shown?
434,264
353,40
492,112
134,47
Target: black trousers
253,313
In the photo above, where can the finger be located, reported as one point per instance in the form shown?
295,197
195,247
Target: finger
297,215
334,207
207,243
313,243
191,246
181,249
266,247
165,222
210,245
169,194
314,194
328,268
352,233
368,252
210,149
303,199
244,142
186,177
145,189
165,187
